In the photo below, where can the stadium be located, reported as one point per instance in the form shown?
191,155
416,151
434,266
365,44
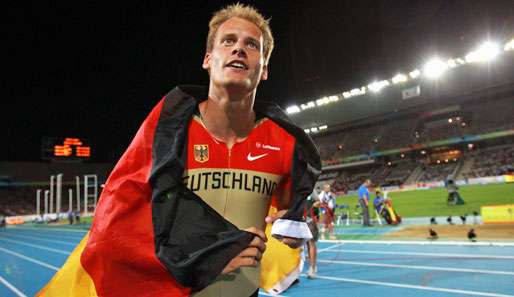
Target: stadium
441,127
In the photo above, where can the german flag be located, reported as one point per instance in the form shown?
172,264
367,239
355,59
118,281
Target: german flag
152,236
280,265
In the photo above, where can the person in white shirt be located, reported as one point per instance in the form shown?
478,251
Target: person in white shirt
328,202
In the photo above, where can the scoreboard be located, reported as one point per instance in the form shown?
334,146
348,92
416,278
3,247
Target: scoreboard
65,149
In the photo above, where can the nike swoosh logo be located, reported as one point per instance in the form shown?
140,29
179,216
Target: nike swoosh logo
253,158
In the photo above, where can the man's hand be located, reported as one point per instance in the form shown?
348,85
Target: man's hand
292,242
250,256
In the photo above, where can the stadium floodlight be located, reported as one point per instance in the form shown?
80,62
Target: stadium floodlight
434,68
333,98
354,92
324,127
357,92
308,105
452,63
450,120
399,78
376,86
322,101
314,129
293,109
509,46
414,73
486,52
347,94
307,131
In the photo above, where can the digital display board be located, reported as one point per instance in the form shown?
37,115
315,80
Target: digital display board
66,148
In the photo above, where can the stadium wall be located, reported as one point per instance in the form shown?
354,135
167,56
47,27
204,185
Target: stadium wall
20,173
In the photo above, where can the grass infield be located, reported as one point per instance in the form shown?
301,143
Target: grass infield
432,202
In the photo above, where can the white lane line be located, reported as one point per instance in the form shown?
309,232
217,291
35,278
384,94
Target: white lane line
12,288
426,288
37,246
330,247
424,254
42,239
53,234
28,259
49,229
419,267
266,294
408,242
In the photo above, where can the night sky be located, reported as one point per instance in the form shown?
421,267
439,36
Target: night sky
95,69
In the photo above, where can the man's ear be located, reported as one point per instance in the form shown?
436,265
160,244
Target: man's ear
264,75
206,61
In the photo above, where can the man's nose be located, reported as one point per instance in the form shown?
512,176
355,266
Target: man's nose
239,50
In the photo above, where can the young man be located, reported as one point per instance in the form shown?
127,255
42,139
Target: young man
183,211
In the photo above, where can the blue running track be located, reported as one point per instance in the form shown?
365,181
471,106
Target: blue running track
29,257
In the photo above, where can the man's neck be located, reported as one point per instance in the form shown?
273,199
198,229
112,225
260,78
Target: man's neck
228,117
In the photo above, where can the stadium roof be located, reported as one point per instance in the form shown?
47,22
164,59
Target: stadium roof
469,81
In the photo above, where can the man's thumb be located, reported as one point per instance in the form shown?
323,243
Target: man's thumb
273,217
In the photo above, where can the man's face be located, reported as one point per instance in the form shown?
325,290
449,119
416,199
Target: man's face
236,59
326,188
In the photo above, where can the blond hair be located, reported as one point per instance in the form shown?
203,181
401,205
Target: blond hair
245,12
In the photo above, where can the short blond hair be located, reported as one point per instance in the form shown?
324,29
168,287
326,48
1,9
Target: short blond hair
245,12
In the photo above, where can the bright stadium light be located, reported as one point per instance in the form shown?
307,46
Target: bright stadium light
333,98
314,129
293,109
509,45
357,92
307,131
375,87
354,92
322,101
378,85
414,73
399,78
486,52
434,68
452,63
324,127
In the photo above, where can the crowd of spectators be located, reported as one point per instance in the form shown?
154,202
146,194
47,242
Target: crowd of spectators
492,162
18,200
407,131
437,172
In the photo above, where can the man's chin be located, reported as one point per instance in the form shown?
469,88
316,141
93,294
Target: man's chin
239,85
